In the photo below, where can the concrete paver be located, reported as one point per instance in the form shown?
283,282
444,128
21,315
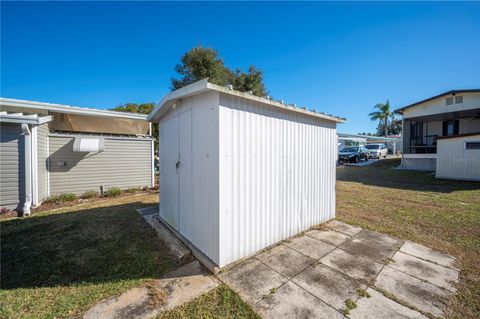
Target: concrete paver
328,236
422,295
428,254
175,288
309,246
410,275
435,274
373,245
328,284
344,228
252,279
285,260
352,265
291,301
379,306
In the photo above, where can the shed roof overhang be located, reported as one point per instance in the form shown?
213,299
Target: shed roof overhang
202,86
20,118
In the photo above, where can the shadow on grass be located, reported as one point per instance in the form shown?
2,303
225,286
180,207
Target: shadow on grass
383,174
102,244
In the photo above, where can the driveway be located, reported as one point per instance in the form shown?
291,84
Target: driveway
344,270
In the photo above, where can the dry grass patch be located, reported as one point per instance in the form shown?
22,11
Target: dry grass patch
441,214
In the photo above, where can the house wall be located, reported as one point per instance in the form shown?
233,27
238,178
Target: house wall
126,162
12,166
189,195
277,175
454,161
438,105
42,157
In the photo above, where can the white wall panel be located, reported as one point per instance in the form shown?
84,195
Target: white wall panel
277,175
456,162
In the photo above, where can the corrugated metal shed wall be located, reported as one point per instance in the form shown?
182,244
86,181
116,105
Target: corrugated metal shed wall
189,196
456,162
277,175
124,163
42,155
12,166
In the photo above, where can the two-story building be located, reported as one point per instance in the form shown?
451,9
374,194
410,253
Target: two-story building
442,134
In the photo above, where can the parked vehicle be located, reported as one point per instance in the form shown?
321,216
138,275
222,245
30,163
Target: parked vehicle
353,154
377,150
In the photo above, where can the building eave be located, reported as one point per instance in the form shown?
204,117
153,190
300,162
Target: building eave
61,108
400,110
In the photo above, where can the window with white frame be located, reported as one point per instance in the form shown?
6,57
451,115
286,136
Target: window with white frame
449,100
458,99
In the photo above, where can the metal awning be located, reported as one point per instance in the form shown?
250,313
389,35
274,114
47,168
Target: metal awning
21,118
93,144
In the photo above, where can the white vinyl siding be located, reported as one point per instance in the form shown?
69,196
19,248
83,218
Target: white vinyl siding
12,166
42,156
124,163
455,161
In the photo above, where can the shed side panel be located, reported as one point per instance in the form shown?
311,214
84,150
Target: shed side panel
12,166
124,163
42,155
277,175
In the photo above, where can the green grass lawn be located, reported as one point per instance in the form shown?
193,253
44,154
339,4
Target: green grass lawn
57,264
441,214
221,302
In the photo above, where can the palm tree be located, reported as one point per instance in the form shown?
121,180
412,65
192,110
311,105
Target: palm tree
382,114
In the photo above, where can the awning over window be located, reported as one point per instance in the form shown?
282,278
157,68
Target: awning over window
89,144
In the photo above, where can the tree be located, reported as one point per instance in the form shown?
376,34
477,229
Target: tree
251,81
200,63
144,108
382,115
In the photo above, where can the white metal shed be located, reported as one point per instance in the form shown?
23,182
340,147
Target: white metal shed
239,173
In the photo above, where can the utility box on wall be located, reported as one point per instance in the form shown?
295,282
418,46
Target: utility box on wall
240,172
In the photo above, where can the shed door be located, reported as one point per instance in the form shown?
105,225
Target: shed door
185,173
176,148
169,179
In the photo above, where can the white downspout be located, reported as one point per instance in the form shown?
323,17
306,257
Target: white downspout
28,169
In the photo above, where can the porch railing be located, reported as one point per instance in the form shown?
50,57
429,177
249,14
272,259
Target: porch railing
420,149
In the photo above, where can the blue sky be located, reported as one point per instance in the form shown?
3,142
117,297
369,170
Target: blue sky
339,58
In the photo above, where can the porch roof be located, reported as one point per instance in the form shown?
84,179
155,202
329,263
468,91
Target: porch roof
447,116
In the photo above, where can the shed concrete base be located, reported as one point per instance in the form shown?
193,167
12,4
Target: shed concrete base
176,247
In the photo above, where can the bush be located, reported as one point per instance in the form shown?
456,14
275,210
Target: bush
90,194
63,197
133,190
5,211
112,192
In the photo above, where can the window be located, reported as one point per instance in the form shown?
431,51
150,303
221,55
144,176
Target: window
450,127
459,99
449,101
474,145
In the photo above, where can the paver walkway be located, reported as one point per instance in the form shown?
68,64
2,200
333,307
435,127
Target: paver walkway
316,275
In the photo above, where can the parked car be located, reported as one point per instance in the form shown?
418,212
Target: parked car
352,154
377,150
